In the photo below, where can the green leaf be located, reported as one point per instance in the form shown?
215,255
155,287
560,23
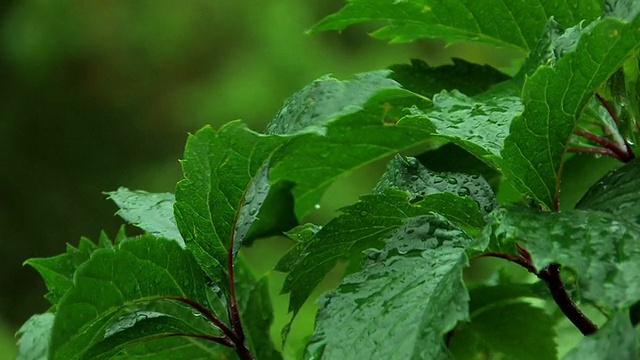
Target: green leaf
342,140
478,124
516,331
411,176
602,250
34,335
622,9
458,197
554,98
218,167
277,214
616,340
57,271
468,78
496,22
326,99
439,160
252,201
257,315
102,289
617,193
152,212
402,302
555,41
148,326
484,297
359,227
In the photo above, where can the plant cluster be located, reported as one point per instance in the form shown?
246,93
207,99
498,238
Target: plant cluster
487,184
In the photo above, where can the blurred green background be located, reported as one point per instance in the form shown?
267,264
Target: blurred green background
101,94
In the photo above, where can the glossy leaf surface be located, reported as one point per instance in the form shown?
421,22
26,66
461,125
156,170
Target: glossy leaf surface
602,250
402,302
616,340
554,97
34,336
617,193
154,268
152,212
496,22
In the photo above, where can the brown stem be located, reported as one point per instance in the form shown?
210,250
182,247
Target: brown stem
551,275
621,153
234,314
601,151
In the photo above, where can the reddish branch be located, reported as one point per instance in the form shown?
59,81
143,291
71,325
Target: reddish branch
234,314
612,112
622,152
551,276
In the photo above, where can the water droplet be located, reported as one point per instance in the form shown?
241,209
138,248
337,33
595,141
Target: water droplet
464,191
316,206
253,211
452,181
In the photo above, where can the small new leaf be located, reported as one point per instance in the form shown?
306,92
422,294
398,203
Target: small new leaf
152,212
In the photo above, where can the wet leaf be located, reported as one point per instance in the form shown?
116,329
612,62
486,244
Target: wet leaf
513,330
622,9
359,227
102,289
554,98
402,302
34,336
152,212
602,250
409,175
252,201
477,124
126,332
57,271
326,99
520,23
347,142
439,160
617,193
218,167
616,340
466,77
256,311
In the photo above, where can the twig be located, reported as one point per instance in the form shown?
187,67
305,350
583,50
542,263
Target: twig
234,314
621,153
601,151
551,275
